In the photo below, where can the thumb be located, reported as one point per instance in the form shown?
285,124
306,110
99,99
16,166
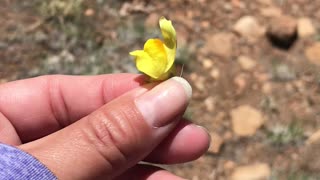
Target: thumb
115,137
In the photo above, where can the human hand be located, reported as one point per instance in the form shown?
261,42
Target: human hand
100,127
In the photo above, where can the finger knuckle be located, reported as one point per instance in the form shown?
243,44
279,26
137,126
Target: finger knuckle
115,133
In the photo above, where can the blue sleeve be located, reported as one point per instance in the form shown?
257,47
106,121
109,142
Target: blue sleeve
17,164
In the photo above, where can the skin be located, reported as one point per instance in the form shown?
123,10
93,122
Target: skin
92,127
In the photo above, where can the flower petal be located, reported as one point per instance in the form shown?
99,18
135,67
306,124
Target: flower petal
170,40
152,60
157,58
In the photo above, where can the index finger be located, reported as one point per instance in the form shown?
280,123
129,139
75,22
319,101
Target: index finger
42,105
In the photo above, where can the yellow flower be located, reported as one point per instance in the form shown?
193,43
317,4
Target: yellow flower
157,57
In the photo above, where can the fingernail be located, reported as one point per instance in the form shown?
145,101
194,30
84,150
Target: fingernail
162,104
203,129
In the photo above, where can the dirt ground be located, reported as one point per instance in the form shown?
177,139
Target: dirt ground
254,67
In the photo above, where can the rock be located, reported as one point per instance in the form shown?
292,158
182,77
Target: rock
259,171
194,76
262,77
313,53
266,88
227,136
182,38
271,12
227,7
310,156
89,12
125,8
135,6
198,81
195,178
3,45
215,73
289,88
2,81
64,56
238,4
282,72
241,82
265,2
207,63
40,37
300,86
67,56
205,24
53,60
246,120
283,26
246,63
305,27
214,44
216,143
34,71
229,165
200,85
315,137
210,103
282,31
152,20
186,19
249,28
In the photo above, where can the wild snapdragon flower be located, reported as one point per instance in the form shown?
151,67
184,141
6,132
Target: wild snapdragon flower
157,57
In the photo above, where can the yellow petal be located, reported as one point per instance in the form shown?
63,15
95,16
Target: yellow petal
152,60
157,58
168,33
170,40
